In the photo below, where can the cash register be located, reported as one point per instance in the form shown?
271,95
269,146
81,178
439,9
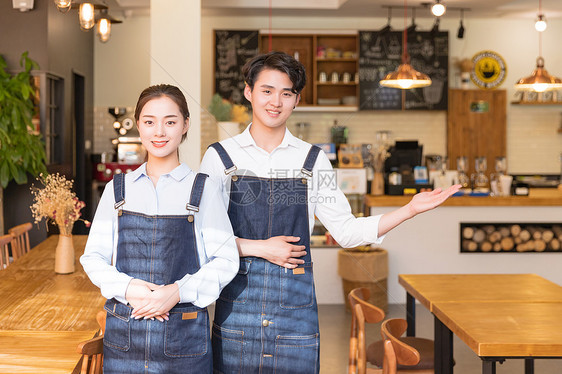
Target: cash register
404,173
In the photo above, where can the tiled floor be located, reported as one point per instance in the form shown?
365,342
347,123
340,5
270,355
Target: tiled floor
334,337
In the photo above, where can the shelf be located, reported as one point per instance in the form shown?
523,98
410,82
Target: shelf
326,108
341,59
336,84
536,103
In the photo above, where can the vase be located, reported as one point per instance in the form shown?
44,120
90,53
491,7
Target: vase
64,255
377,185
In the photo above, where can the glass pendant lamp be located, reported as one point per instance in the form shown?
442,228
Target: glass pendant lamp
63,5
86,16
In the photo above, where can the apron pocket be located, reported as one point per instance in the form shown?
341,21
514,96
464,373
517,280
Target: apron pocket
296,354
186,332
117,325
297,287
227,350
237,290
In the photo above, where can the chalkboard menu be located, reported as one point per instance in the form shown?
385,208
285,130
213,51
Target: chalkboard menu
381,52
232,49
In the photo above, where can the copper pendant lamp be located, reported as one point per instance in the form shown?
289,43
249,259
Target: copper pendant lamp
405,77
539,80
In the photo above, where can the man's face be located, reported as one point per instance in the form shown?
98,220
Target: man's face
272,99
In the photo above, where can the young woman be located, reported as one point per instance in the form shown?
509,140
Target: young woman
274,184
160,249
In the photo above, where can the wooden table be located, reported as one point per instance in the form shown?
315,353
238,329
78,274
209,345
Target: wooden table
485,292
43,315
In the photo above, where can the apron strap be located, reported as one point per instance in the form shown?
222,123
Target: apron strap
310,160
196,192
225,158
119,189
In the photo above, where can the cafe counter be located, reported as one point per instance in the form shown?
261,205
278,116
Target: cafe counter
431,242
536,197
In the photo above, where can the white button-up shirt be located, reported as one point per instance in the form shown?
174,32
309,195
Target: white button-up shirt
216,246
325,199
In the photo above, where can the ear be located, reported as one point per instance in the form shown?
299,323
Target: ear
298,100
185,126
248,93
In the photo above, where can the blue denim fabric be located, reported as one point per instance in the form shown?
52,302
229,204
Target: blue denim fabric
266,319
158,249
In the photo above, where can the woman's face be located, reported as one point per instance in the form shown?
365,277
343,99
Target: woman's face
161,127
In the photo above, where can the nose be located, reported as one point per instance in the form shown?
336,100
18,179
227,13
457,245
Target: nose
160,129
275,100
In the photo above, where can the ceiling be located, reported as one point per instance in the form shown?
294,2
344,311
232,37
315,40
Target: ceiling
358,8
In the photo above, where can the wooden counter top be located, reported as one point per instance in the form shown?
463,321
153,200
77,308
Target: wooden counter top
537,197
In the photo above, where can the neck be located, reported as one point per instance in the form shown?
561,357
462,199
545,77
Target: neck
267,138
155,167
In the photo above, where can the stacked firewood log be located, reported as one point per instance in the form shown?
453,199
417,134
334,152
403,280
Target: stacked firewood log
511,238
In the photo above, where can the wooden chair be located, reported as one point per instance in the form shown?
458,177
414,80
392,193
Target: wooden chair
21,243
396,352
100,317
5,242
92,355
360,353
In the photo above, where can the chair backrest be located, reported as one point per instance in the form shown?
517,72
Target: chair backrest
361,312
5,242
100,317
92,355
392,330
21,243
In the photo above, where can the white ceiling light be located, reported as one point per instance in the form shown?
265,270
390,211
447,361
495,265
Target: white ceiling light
540,25
22,5
438,9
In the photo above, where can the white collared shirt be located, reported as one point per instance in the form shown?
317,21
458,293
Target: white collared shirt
325,199
216,246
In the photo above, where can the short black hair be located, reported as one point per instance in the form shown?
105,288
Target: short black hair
279,61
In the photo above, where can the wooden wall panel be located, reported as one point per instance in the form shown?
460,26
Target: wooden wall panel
472,133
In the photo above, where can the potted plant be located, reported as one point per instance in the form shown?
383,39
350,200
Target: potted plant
21,149
229,116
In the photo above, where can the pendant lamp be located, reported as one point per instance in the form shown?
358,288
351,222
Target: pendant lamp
405,77
539,80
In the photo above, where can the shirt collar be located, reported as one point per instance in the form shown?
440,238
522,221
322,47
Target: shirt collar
245,139
180,172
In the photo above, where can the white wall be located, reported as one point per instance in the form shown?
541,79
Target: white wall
429,244
533,144
122,69
122,65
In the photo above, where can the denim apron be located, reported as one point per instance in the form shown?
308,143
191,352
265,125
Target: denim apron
159,249
266,319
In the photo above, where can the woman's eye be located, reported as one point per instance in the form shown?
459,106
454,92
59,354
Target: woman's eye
170,123
148,122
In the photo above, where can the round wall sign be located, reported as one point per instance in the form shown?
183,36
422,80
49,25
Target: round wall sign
489,69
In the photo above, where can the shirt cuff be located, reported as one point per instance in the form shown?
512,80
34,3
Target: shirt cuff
117,289
187,294
371,230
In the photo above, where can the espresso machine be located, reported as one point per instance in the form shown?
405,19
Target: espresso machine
405,157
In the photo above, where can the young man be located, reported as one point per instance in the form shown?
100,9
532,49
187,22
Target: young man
266,319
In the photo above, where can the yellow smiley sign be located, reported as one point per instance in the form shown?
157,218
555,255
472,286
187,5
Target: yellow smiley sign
489,69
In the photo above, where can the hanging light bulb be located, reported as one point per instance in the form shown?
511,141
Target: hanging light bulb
438,9
405,77
63,5
87,16
540,25
104,29
539,80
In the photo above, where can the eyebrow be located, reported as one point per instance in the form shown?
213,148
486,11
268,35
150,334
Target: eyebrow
167,116
283,89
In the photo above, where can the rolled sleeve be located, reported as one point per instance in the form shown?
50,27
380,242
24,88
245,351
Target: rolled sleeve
217,249
98,254
334,211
